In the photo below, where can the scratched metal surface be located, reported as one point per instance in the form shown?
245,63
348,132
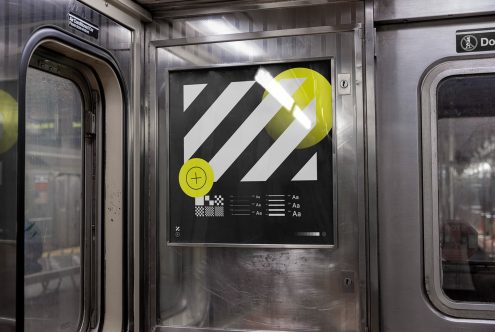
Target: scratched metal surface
246,289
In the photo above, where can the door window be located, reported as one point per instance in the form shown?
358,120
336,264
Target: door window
53,229
458,112
466,186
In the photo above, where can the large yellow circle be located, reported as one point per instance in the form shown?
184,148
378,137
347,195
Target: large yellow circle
8,121
196,177
314,86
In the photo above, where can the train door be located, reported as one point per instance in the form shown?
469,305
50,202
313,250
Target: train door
73,225
257,169
435,138
66,164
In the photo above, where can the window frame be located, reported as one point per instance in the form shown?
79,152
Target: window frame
116,290
431,225
87,83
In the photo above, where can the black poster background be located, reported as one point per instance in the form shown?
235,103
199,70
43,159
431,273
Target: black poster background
315,198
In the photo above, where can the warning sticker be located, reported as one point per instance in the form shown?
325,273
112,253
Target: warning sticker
251,154
479,40
82,25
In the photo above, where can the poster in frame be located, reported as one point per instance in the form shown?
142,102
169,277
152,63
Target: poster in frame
251,155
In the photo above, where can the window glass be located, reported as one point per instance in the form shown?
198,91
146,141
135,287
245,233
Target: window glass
466,186
8,204
53,203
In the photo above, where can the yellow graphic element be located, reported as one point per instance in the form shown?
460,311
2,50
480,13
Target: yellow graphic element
315,86
8,121
196,177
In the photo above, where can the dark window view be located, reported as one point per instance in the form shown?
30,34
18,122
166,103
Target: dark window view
53,203
466,186
8,204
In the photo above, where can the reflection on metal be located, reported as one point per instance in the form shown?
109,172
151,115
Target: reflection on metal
6,321
261,288
220,26
407,10
234,37
165,9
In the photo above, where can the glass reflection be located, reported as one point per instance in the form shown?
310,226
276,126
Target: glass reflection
8,217
466,180
53,203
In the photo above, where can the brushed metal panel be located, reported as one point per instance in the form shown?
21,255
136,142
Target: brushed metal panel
318,16
161,9
235,289
404,52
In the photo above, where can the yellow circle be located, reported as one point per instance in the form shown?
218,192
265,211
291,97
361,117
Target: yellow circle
196,177
8,121
314,86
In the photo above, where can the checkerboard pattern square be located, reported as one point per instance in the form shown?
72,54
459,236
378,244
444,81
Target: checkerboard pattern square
200,211
219,211
209,206
218,200
210,211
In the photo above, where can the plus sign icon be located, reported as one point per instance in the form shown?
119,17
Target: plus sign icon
196,177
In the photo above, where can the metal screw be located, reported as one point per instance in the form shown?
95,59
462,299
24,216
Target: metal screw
344,84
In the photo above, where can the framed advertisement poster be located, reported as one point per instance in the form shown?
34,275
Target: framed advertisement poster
251,155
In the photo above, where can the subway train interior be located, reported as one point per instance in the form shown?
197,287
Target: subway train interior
247,165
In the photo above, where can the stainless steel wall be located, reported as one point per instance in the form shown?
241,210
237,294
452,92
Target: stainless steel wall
247,288
162,9
403,54
408,10
18,20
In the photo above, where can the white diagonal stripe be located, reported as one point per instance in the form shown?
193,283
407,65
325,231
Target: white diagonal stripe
214,116
191,92
250,128
309,172
283,146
